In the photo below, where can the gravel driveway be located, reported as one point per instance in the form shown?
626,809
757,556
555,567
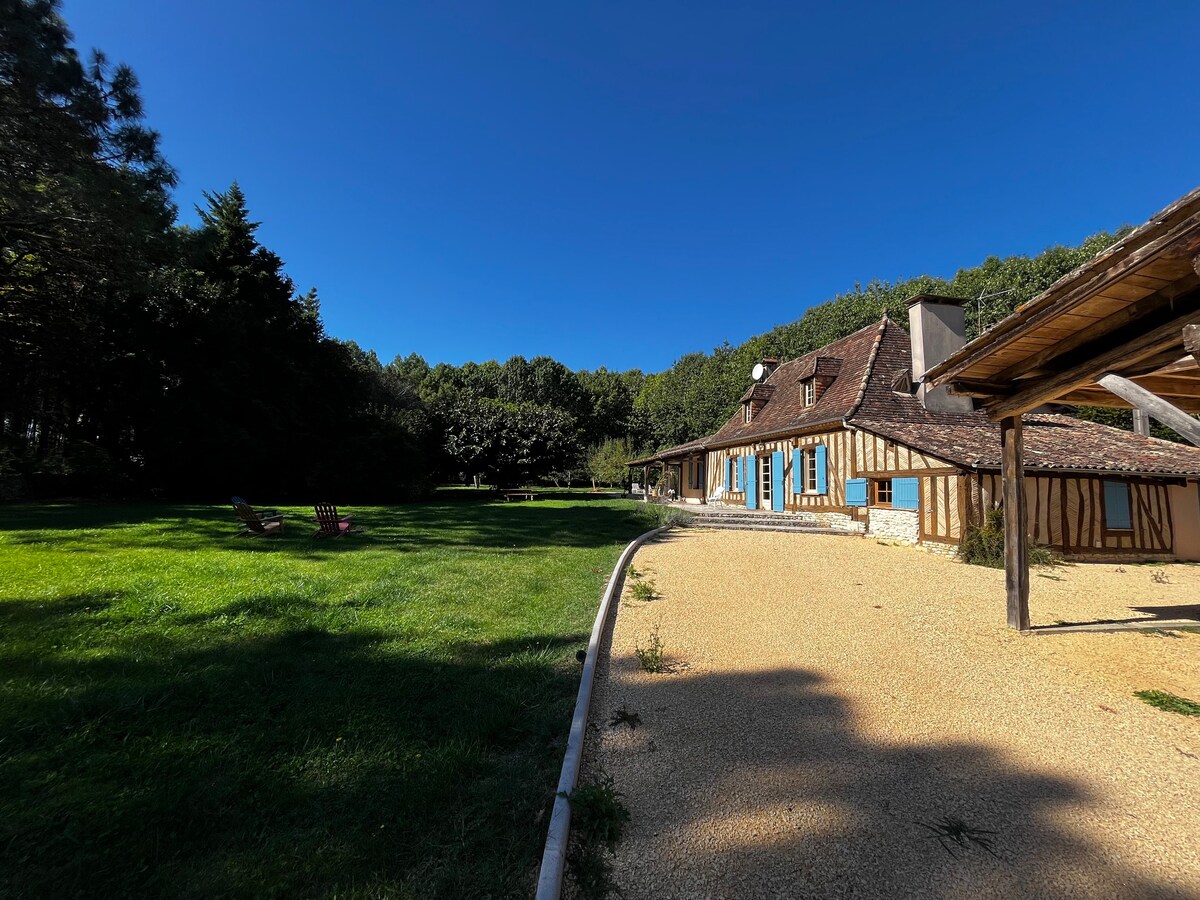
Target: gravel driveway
832,693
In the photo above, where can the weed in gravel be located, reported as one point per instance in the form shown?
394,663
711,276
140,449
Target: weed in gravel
1159,576
1167,701
653,656
598,819
624,717
952,830
631,573
643,590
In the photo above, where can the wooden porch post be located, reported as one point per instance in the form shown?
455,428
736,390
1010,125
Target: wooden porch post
646,482
1016,523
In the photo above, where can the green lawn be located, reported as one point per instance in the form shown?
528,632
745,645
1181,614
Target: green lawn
187,713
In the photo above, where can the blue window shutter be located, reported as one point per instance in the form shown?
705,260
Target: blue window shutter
1116,505
777,459
728,473
751,492
822,480
856,492
905,492
797,471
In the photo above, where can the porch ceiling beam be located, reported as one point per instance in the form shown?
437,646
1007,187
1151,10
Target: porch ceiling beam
1156,406
1117,265
1098,396
1116,352
1191,338
1110,324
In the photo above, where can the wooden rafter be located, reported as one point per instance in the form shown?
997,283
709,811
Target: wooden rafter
1085,364
1156,406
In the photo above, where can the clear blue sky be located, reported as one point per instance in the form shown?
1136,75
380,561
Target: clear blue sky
618,183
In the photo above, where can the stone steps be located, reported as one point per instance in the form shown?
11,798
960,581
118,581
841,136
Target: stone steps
756,526
753,520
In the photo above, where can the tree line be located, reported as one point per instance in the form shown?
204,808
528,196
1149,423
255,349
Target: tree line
141,356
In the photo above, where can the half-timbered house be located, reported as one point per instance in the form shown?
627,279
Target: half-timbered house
849,436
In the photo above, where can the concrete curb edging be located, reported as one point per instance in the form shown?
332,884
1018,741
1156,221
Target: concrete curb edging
550,875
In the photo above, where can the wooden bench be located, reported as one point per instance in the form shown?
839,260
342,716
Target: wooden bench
518,495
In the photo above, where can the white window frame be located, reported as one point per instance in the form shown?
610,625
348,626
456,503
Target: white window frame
749,413
810,392
810,470
764,480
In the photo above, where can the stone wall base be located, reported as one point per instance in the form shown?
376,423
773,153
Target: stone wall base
897,524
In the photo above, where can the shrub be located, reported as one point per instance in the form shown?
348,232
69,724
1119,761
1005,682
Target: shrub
983,545
652,657
657,514
598,820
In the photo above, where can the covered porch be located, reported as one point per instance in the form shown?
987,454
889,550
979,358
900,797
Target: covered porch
1119,331
677,474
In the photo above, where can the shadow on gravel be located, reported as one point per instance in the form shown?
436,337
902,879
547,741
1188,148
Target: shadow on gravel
763,778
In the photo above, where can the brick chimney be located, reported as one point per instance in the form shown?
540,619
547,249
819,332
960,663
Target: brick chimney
937,329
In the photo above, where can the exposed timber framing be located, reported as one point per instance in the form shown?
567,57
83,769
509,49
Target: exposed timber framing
1156,406
1164,299
1093,362
1191,338
1141,422
1016,523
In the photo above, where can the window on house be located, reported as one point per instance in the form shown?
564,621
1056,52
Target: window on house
810,393
881,492
764,470
748,414
810,471
735,461
1116,506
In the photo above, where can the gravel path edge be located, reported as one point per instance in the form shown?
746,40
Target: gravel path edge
550,876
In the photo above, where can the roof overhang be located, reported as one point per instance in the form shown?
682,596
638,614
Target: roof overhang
1123,313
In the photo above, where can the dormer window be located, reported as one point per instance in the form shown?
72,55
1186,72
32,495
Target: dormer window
810,392
749,413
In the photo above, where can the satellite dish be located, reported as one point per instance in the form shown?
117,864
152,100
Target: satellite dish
759,370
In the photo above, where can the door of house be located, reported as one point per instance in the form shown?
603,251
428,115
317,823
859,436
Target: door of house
777,481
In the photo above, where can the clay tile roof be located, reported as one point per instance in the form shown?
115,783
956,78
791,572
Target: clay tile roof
671,452
848,359
862,395
1052,442
758,392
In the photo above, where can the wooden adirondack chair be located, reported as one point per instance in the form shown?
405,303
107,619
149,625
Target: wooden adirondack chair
257,523
330,524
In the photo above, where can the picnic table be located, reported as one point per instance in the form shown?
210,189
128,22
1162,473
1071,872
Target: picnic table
518,495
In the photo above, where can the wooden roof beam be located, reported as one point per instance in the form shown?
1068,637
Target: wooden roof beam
1078,286
1154,303
1186,425
1088,363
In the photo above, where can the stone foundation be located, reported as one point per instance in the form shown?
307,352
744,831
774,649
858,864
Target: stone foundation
897,524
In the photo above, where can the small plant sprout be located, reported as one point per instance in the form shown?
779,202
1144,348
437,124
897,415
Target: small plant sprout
643,590
624,717
652,657
954,831
1159,576
631,573
1169,702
